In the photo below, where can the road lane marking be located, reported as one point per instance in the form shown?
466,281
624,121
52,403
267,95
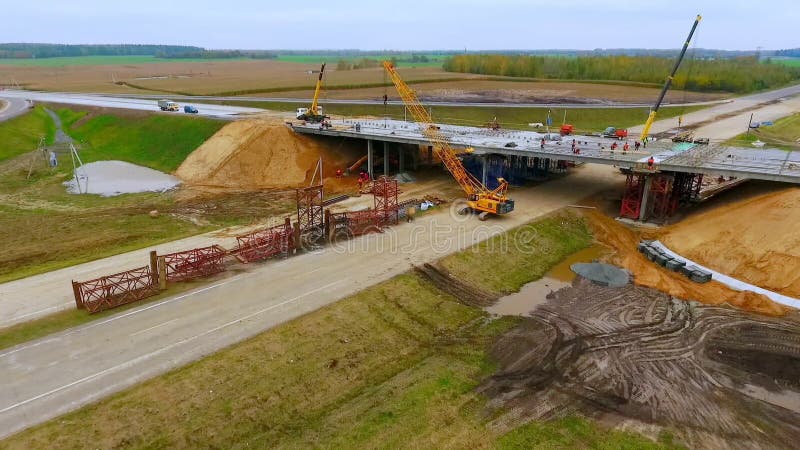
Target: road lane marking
127,314
153,327
168,347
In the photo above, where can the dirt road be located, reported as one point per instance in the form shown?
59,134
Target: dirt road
50,376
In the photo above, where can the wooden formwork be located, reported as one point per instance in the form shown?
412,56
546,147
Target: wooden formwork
114,290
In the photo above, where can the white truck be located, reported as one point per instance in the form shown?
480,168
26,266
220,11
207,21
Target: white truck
167,105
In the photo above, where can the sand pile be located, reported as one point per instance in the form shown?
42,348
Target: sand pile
756,240
255,154
615,235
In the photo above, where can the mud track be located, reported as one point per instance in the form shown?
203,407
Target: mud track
716,376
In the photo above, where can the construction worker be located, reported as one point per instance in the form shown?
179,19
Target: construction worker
338,173
625,147
573,146
542,146
385,99
613,146
650,162
636,145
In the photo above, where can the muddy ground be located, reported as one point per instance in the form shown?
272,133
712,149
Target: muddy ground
638,359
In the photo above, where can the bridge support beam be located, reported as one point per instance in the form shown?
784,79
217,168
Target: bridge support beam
648,184
370,159
485,171
386,158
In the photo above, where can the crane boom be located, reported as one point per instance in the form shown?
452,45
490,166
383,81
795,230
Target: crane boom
480,198
314,105
652,117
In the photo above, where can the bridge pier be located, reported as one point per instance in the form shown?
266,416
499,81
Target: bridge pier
386,158
484,169
657,196
370,159
401,158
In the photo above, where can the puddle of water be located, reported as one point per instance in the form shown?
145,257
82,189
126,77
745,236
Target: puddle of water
535,293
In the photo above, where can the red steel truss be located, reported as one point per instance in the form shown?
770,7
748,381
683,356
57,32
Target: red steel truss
195,263
355,223
385,192
309,209
632,196
114,290
264,243
662,201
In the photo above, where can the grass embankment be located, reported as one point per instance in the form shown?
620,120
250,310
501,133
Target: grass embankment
585,120
44,228
784,134
21,134
394,366
160,142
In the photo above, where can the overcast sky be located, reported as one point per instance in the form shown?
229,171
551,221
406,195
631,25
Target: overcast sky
405,24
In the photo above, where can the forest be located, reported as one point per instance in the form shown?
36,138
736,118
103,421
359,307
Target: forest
739,75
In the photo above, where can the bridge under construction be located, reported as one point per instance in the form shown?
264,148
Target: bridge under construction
660,176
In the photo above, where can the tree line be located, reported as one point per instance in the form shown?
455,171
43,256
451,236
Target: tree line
31,51
741,74
217,54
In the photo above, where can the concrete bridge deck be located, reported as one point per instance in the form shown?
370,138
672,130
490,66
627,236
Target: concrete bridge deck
714,159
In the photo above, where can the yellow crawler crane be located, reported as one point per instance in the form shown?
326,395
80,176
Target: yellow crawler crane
314,114
480,199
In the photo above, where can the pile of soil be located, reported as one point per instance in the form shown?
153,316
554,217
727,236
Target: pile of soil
624,240
258,154
756,240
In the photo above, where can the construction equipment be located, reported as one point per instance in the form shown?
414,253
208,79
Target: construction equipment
480,199
652,117
618,133
314,114
167,105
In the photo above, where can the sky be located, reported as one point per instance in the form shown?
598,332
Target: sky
405,24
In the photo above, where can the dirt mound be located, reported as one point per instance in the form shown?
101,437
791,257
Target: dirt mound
257,154
615,235
757,240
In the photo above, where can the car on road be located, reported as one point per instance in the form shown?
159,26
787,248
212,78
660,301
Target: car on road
189,109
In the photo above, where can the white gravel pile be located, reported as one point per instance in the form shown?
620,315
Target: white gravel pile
110,178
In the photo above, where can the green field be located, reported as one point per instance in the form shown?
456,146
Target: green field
787,61
393,366
434,60
101,61
784,134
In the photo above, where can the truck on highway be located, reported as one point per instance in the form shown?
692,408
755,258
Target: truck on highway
189,109
167,105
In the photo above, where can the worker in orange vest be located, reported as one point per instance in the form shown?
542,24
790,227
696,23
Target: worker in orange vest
625,147
613,146
650,162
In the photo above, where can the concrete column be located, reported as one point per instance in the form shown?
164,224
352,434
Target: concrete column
370,158
430,155
386,158
401,156
485,169
648,181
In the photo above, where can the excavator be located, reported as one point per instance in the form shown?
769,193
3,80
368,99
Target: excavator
652,117
480,199
314,114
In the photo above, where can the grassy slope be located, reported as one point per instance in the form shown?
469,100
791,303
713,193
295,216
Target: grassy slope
521,255
51,229
21,134
393,366
161,142
584,119
784,134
